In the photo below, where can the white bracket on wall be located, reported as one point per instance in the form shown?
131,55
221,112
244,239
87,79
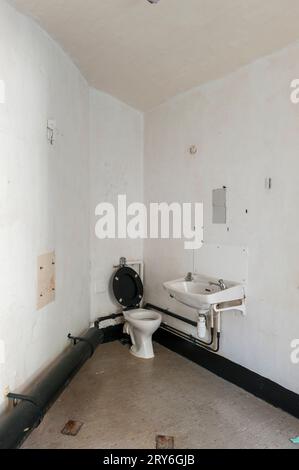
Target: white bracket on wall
124,262
237,305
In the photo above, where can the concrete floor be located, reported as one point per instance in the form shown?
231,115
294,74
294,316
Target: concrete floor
125,402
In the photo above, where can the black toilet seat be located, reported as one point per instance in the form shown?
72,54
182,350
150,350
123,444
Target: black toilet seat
127,287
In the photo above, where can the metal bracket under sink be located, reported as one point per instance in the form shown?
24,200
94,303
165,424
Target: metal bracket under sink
238,305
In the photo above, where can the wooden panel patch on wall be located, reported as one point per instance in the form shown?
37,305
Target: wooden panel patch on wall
46,280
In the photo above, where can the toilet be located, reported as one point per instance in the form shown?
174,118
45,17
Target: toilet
140,324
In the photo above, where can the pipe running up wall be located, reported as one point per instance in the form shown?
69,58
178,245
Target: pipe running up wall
19,423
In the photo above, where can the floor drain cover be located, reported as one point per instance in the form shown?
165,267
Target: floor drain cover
72,428
165,442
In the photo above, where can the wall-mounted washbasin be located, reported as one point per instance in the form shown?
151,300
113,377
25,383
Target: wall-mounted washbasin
203,292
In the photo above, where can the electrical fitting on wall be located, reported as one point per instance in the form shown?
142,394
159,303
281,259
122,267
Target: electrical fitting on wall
268,183
2,92
51,131
193,150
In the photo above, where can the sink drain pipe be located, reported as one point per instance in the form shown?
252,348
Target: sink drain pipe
30,408
192,339
202,344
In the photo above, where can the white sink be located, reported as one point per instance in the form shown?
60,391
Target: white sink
200,293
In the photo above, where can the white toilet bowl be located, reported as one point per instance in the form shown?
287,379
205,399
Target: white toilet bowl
141,325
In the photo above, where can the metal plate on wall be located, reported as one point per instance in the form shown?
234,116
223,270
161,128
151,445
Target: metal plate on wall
219,206
46,280
229,262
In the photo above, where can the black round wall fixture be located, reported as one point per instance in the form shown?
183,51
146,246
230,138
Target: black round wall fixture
127,287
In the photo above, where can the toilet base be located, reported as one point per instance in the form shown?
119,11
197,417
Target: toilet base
142,354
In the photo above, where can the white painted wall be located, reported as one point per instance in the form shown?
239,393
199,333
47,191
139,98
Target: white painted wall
116,168
44,197
48,196
246,130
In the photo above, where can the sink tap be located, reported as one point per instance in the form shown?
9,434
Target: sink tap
189,277
220,284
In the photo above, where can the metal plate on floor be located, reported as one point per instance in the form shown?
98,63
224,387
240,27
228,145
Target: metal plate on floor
72,428
165,442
